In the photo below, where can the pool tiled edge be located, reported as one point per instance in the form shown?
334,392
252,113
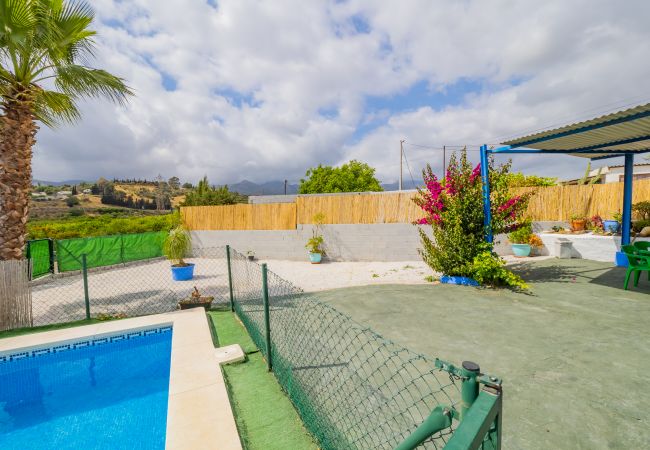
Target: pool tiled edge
199,414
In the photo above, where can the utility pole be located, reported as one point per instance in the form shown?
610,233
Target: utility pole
444,161
401,158
285,187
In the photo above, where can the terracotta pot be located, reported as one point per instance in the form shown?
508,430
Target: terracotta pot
579,224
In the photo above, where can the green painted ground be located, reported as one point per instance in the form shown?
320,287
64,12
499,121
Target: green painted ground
265,417
574,354
21,331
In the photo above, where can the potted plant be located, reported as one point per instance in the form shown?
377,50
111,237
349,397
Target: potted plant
196,300
520,240
612,226
578,222
315,250
176,246
315,242
596,224
535,242
250,254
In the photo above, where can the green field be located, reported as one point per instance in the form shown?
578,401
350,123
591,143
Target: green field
103,225
265,417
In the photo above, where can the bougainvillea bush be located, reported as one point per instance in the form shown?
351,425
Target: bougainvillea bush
453,208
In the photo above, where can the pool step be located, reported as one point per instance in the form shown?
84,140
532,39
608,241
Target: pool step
229,354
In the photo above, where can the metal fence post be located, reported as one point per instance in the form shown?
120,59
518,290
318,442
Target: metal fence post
267,317
470,386
232,299
84,271
50,249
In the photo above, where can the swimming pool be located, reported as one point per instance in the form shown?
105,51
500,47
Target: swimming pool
104,392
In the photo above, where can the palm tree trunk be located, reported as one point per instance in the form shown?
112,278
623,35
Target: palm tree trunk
17,136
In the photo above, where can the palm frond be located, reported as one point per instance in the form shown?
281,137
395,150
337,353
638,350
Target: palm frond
84,82
43,40
53,108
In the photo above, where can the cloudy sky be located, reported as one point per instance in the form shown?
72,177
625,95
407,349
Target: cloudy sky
262,90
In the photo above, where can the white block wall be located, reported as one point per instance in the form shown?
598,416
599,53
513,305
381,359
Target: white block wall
376,242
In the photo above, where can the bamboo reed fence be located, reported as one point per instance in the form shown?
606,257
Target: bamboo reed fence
561,202
359,209
15,295
547,203
268,216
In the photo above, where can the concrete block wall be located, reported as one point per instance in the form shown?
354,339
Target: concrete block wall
377,242
372,242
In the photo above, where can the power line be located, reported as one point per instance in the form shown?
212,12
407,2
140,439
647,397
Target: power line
409,168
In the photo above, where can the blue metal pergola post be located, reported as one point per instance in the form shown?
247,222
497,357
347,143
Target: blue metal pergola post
487,209
621,259
627,198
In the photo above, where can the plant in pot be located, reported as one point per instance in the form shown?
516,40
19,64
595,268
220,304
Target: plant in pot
196,300
596,224
578,222
613,225
535,243
520,240
250,254
315,242
176,246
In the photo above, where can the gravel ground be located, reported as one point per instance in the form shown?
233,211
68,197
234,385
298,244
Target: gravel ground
332,275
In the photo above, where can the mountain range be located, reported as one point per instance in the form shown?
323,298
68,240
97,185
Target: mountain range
247,187
277,187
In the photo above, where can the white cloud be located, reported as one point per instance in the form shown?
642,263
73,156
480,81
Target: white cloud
263,90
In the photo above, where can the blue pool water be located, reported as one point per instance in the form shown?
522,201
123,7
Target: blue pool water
108,393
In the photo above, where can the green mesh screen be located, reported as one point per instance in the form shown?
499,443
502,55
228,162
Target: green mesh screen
38,252
108,250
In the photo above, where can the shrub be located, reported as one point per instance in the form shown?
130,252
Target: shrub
643,209
454,210
488,268
76,212
522,234
640,225
72,201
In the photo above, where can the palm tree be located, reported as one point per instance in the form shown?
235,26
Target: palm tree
45,46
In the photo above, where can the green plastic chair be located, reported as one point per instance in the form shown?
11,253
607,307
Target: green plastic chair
642,245
637,263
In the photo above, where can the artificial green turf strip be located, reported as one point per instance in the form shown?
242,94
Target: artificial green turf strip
265,416
21,331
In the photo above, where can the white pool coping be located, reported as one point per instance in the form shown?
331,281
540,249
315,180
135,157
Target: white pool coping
199,415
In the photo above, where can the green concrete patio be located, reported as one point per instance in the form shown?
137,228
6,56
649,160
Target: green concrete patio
574,353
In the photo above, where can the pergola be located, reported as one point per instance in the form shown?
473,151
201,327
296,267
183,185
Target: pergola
624,133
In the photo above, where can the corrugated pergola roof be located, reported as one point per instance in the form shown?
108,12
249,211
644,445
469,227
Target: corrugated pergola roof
626,131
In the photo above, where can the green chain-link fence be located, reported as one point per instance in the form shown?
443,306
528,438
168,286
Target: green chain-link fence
126,290
353,388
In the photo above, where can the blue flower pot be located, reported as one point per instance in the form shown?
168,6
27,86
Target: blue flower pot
521,250
183,273
611,226
464,281
315,258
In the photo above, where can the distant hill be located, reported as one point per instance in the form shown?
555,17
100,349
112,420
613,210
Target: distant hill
268,188
406,185
277,187
57,183
246,187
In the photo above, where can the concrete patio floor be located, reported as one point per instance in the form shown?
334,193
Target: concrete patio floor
573,353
